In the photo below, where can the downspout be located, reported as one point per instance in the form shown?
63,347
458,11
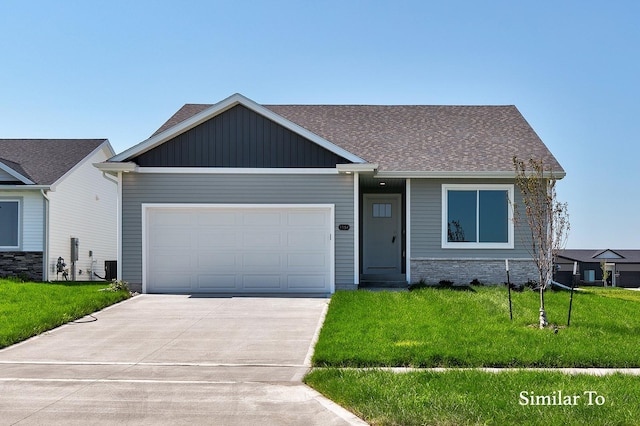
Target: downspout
45,248
119,229
356,229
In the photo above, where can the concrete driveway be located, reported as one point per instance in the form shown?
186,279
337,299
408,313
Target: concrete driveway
167,359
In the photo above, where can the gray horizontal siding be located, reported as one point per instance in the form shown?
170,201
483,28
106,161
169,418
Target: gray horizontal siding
426,224
239,137
235,189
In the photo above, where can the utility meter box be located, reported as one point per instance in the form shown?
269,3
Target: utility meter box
75,249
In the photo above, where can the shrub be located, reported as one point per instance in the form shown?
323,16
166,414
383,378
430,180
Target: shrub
445,283
118,285
420,284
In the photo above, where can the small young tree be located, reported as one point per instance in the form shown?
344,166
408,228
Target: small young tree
547,218
605,273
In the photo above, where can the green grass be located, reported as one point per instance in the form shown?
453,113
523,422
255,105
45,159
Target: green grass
478,398
27,309
448,328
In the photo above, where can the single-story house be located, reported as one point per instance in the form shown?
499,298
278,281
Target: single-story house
623,267
55,205
240,197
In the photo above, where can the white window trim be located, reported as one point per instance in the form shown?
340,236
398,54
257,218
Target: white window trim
477,245
19,201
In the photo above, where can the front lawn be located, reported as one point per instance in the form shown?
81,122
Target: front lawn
454,328
449,328
27,309
477,398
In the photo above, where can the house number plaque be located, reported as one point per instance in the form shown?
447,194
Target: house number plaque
344,227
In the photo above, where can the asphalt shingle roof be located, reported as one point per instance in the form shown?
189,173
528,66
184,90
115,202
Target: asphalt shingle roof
424,138
44,161
589,255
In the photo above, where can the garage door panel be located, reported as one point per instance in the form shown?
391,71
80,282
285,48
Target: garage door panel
262,282
170,281
217,261
221,238
307,282
262,218
169,237
307,238
236,249
166,260
217,219
262,260
310,219
167,218
217,282
259,238
307,260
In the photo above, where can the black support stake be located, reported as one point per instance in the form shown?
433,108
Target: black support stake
573,284
509,289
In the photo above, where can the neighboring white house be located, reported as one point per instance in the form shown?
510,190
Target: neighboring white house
51,195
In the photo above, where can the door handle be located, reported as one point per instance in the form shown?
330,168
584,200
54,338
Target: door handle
393,240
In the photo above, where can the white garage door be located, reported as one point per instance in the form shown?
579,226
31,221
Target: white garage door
238,249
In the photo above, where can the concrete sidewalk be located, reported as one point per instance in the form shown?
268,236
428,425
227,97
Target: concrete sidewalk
166,359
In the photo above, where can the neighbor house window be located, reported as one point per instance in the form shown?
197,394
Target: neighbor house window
9,223
590,275
477,216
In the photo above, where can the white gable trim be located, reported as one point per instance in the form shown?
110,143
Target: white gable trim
15,174
608,255
221,107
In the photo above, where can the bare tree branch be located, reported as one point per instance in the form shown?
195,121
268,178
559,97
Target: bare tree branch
547,218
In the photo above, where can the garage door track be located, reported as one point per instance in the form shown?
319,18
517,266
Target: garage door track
169,359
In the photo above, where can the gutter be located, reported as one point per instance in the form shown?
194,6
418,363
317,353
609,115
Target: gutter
457,174
25,187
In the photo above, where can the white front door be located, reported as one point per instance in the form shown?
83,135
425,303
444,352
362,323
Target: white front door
382,234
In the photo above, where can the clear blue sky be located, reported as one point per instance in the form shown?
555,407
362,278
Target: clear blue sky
118,69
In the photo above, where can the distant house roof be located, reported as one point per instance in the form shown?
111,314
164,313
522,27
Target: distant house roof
416,138
44,161
596,256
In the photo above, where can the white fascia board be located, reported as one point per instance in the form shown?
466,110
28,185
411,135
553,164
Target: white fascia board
357,167
109,167
16,175
219,108
238,170
454,175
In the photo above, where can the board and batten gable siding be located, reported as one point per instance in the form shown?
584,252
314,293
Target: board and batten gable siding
426,224
32,219
139,188
84,205
239,137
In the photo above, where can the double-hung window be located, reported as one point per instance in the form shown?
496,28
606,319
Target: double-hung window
477,216
9,224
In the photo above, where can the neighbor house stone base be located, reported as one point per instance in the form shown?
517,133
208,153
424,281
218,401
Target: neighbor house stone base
23,264
463,271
